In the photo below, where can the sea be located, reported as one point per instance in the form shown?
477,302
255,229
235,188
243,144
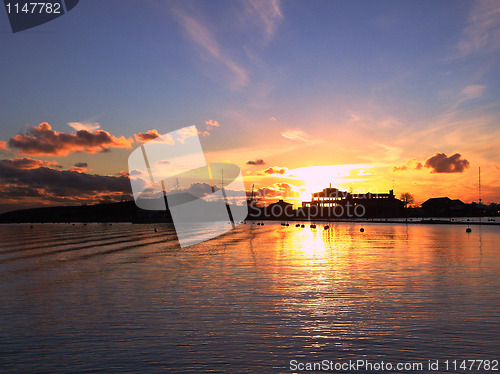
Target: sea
125,298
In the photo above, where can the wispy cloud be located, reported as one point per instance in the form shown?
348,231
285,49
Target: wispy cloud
482,32
201,35
412,164
88,126
267,13
473,91
295,135
209,125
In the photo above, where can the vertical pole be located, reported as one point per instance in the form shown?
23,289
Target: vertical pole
480,185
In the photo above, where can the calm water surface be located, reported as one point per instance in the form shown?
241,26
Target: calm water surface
123,298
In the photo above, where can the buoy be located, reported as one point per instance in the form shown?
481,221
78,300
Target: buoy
156,230
468,229
302,226
297,225
362,229
327,227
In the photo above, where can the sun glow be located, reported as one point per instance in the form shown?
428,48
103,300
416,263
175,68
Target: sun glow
315,178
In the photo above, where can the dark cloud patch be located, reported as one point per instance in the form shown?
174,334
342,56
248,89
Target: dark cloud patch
7,191
147,136
63,183
28,163
256,162
81,165
42,140
440,163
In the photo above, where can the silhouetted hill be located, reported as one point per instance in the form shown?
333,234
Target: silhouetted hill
125,211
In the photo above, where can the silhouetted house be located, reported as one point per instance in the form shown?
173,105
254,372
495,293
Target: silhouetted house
279,210
255,210
482,210
445,207
334,203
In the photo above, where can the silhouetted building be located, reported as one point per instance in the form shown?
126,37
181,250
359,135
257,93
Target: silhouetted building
281,210
334,203
445,207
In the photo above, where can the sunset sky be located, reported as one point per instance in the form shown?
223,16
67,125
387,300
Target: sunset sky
365,95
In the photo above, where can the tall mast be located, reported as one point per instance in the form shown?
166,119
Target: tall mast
230,214
480,205
480,185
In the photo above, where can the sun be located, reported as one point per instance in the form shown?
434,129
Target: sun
316,178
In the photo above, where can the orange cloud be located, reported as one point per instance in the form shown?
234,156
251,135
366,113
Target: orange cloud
412,164
212,123
42,140
3,145
147,136
81,167
270,194
276,170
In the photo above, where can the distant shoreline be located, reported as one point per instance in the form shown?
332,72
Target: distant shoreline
427,221
433,221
